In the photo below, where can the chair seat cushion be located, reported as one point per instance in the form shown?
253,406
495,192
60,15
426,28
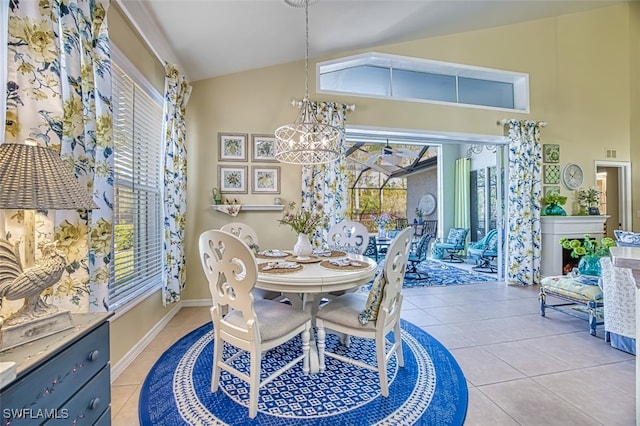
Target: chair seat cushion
570,288
275,319
344,310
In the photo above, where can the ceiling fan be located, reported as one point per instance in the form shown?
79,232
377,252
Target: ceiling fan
391,156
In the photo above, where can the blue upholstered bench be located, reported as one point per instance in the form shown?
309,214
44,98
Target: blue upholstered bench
574,292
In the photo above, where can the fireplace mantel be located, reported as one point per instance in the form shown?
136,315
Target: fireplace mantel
555,227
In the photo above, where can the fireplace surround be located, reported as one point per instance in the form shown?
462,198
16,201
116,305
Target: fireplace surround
573,227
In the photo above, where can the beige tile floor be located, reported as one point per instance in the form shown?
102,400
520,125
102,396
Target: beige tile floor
521,368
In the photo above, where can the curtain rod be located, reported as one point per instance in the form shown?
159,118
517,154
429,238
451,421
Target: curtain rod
298,103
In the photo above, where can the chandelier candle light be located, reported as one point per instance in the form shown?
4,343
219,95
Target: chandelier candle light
307,140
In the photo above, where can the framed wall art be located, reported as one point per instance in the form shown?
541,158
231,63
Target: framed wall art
233,179
552,189
263,148
552,174
265,180
232,146
551,153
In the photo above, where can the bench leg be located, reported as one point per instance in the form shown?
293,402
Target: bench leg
542,298
593,318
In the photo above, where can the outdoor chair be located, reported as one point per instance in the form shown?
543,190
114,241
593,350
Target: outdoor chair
401,223
485,251
252,326
454,243
349,236
371,317
418,255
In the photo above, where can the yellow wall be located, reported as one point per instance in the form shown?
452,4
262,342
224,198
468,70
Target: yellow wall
580,78
634,108
128,329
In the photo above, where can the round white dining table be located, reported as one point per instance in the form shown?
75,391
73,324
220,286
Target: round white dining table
306,287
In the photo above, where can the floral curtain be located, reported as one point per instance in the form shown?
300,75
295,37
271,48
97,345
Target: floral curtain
324,186
176,96
523,214
59,93
462,203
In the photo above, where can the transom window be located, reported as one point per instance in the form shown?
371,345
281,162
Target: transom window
421,80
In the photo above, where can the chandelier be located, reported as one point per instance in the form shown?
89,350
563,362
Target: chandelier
307,140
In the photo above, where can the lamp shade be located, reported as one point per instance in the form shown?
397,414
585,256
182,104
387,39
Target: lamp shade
34,177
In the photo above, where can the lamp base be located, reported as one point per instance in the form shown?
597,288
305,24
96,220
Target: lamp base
37,328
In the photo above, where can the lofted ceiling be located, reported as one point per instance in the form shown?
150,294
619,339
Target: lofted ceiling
209,38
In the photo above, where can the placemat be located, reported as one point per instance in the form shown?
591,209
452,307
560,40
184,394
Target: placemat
361,265
262,256
334,253
277,270
294,258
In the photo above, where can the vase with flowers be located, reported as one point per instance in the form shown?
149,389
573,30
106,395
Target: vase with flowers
554,200
589,251
304,222
382,221
588,201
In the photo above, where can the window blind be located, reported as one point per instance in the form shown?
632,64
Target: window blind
137,128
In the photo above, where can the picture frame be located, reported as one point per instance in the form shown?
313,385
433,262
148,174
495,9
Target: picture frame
551,153
552,174
552,189
265,179
232,146
232,179
263,148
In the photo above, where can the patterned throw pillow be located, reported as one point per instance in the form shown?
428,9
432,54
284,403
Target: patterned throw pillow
372,306
626,238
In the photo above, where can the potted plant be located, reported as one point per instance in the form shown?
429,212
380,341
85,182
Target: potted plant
589,251
419,214
554,200
588,200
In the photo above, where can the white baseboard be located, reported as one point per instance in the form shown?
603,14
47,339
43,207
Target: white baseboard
195,303
125,361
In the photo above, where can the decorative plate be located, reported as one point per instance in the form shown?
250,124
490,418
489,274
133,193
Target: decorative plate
427,204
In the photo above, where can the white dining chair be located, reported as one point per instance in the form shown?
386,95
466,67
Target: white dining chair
380,309
252,325
349,236
244,232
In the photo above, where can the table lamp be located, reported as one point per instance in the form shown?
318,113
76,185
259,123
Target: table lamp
34,178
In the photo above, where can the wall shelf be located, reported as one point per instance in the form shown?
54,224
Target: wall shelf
254,207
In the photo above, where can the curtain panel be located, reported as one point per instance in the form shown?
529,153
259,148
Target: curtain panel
59,94
324,186
462,203
524,206
176,96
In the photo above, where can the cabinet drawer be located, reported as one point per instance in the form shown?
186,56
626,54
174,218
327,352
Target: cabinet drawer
86,406
31,399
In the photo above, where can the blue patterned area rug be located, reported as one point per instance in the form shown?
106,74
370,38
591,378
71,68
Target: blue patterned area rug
429,390
435,273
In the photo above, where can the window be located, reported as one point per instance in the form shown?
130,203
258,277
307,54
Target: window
484,202
137,129
413,79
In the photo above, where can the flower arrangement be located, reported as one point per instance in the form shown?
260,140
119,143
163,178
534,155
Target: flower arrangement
302,221
554,198
382,220
588,197
588,247
419,213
